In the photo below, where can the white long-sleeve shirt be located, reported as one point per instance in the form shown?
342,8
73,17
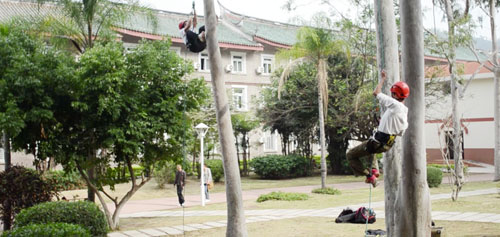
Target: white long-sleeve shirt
394,121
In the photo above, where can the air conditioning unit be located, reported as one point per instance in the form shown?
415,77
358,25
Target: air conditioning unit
228,68
261,140
196,66
259,70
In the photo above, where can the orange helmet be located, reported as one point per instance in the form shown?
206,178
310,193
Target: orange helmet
401,89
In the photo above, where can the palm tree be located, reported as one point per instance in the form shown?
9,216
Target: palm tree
314,45
84,22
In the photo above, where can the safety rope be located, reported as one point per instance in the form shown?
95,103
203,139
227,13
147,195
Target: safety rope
369,208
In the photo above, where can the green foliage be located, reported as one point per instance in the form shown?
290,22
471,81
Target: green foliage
329,191
434,177
217,169
86,214
279,167
165,174
446,167
23,188
64,181
281,196
35,84
48,230
121,174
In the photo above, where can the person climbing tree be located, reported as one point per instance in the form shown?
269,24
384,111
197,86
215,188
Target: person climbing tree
194,42
393,123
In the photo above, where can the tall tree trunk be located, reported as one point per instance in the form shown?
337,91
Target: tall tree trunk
496,92
91,174
322,139
457,134
337,147
236,225
388,60
413,203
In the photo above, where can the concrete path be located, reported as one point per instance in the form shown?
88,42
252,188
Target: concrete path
279,214
158,204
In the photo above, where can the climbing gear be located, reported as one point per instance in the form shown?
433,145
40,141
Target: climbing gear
375,172
372,180
401,89
360,216
380,142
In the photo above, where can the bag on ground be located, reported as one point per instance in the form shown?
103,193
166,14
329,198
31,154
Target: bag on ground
359,216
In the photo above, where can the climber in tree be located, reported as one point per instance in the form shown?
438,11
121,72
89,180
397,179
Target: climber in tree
194,42
393,123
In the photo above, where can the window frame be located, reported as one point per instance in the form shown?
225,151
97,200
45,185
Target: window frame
262,58
244,96
207,59
243,62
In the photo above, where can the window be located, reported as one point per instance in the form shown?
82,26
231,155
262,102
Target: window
270,143
240,97
267,64
238,62
204,62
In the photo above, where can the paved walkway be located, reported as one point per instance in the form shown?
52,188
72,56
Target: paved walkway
159,204
278,214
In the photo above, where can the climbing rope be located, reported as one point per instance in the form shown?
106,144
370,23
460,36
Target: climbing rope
369,209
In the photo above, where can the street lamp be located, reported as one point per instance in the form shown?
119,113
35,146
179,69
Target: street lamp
202,129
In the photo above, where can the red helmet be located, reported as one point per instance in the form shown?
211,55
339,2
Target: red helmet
181,24
401,89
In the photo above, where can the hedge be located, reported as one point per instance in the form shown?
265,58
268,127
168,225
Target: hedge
65,180
281,196
434,176
279,166
48,230
85,214
216,168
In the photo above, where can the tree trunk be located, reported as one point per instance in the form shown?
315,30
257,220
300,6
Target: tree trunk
413,203
236,225
388,60
244,142
7,207
6,151
337,147
457,134
91,174
321,116
496,92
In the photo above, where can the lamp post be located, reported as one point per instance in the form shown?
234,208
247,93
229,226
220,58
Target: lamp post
202,129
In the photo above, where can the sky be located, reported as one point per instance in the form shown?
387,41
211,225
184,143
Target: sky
272,10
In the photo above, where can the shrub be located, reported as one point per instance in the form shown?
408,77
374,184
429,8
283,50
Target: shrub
48,230
85,214
434,177
329,191
63,181
216,168
165,174
278,166
282,196
23,188
445,168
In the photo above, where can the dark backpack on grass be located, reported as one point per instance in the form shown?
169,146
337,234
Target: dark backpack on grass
358,216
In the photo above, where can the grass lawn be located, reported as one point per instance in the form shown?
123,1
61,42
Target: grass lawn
320,226
151,191
317,226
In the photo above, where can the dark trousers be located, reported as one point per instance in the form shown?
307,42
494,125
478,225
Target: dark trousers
195,45
179,194
355,154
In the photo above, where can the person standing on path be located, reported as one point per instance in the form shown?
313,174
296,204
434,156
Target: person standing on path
207,178
180,181
393,123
